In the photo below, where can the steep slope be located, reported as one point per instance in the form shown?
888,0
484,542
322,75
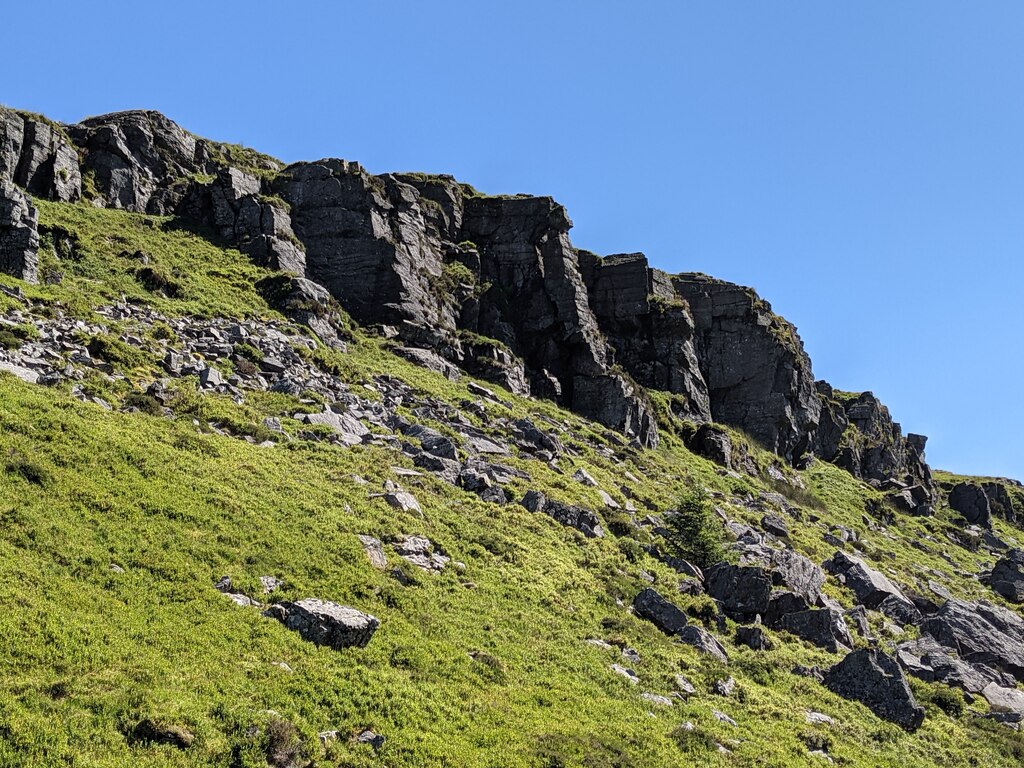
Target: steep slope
181,411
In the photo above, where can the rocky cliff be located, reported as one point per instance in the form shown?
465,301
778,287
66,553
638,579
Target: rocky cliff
263,505
493,285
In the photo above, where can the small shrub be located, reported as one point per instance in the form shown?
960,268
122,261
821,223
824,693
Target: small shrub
155,279
115,351
144,403
13,336
161,330
33,472
816,740
694,533
631,550
249,352
619,522
284,745
949,700
694,740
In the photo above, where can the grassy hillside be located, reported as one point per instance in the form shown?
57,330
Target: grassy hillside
116,525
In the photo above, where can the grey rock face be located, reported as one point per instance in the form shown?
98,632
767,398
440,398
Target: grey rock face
825,627
704,641
788,569
757,373
19,234
971,502
927,659
538,306
583,520
980,634
367,242
876,680
325,623
1007,577
234,204
421,552
742,590
135,158
648,326
661,612
1002,699
311,305
712,442
38,155
880,453
754,638
870,586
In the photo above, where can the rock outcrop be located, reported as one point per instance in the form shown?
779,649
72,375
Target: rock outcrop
141,161
19,234
876,681
367,242
971,502
237,206
649,327
1007,578
661,612
872,589
857,433
419,254
980,633
37,154
753,363
493,285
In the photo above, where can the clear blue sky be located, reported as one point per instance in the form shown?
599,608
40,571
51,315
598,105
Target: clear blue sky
859,164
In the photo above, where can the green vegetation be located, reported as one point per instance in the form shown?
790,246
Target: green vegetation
114,526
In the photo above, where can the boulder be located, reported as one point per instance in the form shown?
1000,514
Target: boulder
871,587
712,442
927,660
788,569
901,610
19,234
742,590
703,641
754,638
421,552
782,603
971,502
583,520
824,627
325,623
661,612
876,680
374,551
1002,699
775,525
1007,577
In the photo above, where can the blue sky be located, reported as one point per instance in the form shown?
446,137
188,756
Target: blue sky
859,164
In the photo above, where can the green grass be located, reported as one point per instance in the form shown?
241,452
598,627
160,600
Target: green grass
482,667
